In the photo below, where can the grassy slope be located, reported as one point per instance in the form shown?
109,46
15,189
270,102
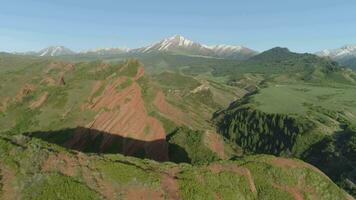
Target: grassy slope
63,107
301,120
303,99
302,109
45,171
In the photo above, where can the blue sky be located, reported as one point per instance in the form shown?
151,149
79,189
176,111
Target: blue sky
302,26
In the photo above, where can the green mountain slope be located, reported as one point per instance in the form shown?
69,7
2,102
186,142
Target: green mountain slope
304,121
349,62
41,170
106,107
282,65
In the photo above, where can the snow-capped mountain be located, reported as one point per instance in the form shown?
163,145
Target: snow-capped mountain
176,44
181,45
105,51
55,51
345,55
223,48
232,51
171,43
340,53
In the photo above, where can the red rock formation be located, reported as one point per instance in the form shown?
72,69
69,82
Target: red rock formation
61,80
123,113
167,109
38,102
26,90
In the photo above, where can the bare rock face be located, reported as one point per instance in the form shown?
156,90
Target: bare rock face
40,101
25,90
59,65
124,122
4,104
49,81
61,80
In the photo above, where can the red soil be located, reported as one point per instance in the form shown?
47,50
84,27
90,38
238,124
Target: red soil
7,180
49,81
143,193
61,80
123,113
218,168
60,162
70,166
25,90
100,68
295,192
217,196
140,73
63,66
167,109
96,87
216,143
40,101
170,185
95,180
4,104
289,163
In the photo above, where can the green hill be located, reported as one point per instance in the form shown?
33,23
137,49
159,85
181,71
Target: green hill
117,101
349,62
282,65
305,121
44,171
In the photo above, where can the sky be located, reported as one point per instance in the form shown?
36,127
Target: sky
302,26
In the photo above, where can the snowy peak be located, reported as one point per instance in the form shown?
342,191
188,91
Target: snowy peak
55,51
345,51
224,49
61,51
105,51
178,40
232,51
181,45
176,44
171,44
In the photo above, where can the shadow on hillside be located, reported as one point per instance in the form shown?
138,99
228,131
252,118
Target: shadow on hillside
94,141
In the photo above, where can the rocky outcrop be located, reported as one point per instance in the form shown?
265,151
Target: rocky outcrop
38,102
122,113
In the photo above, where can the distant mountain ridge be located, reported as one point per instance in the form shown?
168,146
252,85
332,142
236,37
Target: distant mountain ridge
345,51
345,55
181,45
176,44
55,51
105,51
276,54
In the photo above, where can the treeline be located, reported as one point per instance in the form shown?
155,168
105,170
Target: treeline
260,132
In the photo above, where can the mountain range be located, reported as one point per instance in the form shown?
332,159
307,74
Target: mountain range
345,55
176,44
179,45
